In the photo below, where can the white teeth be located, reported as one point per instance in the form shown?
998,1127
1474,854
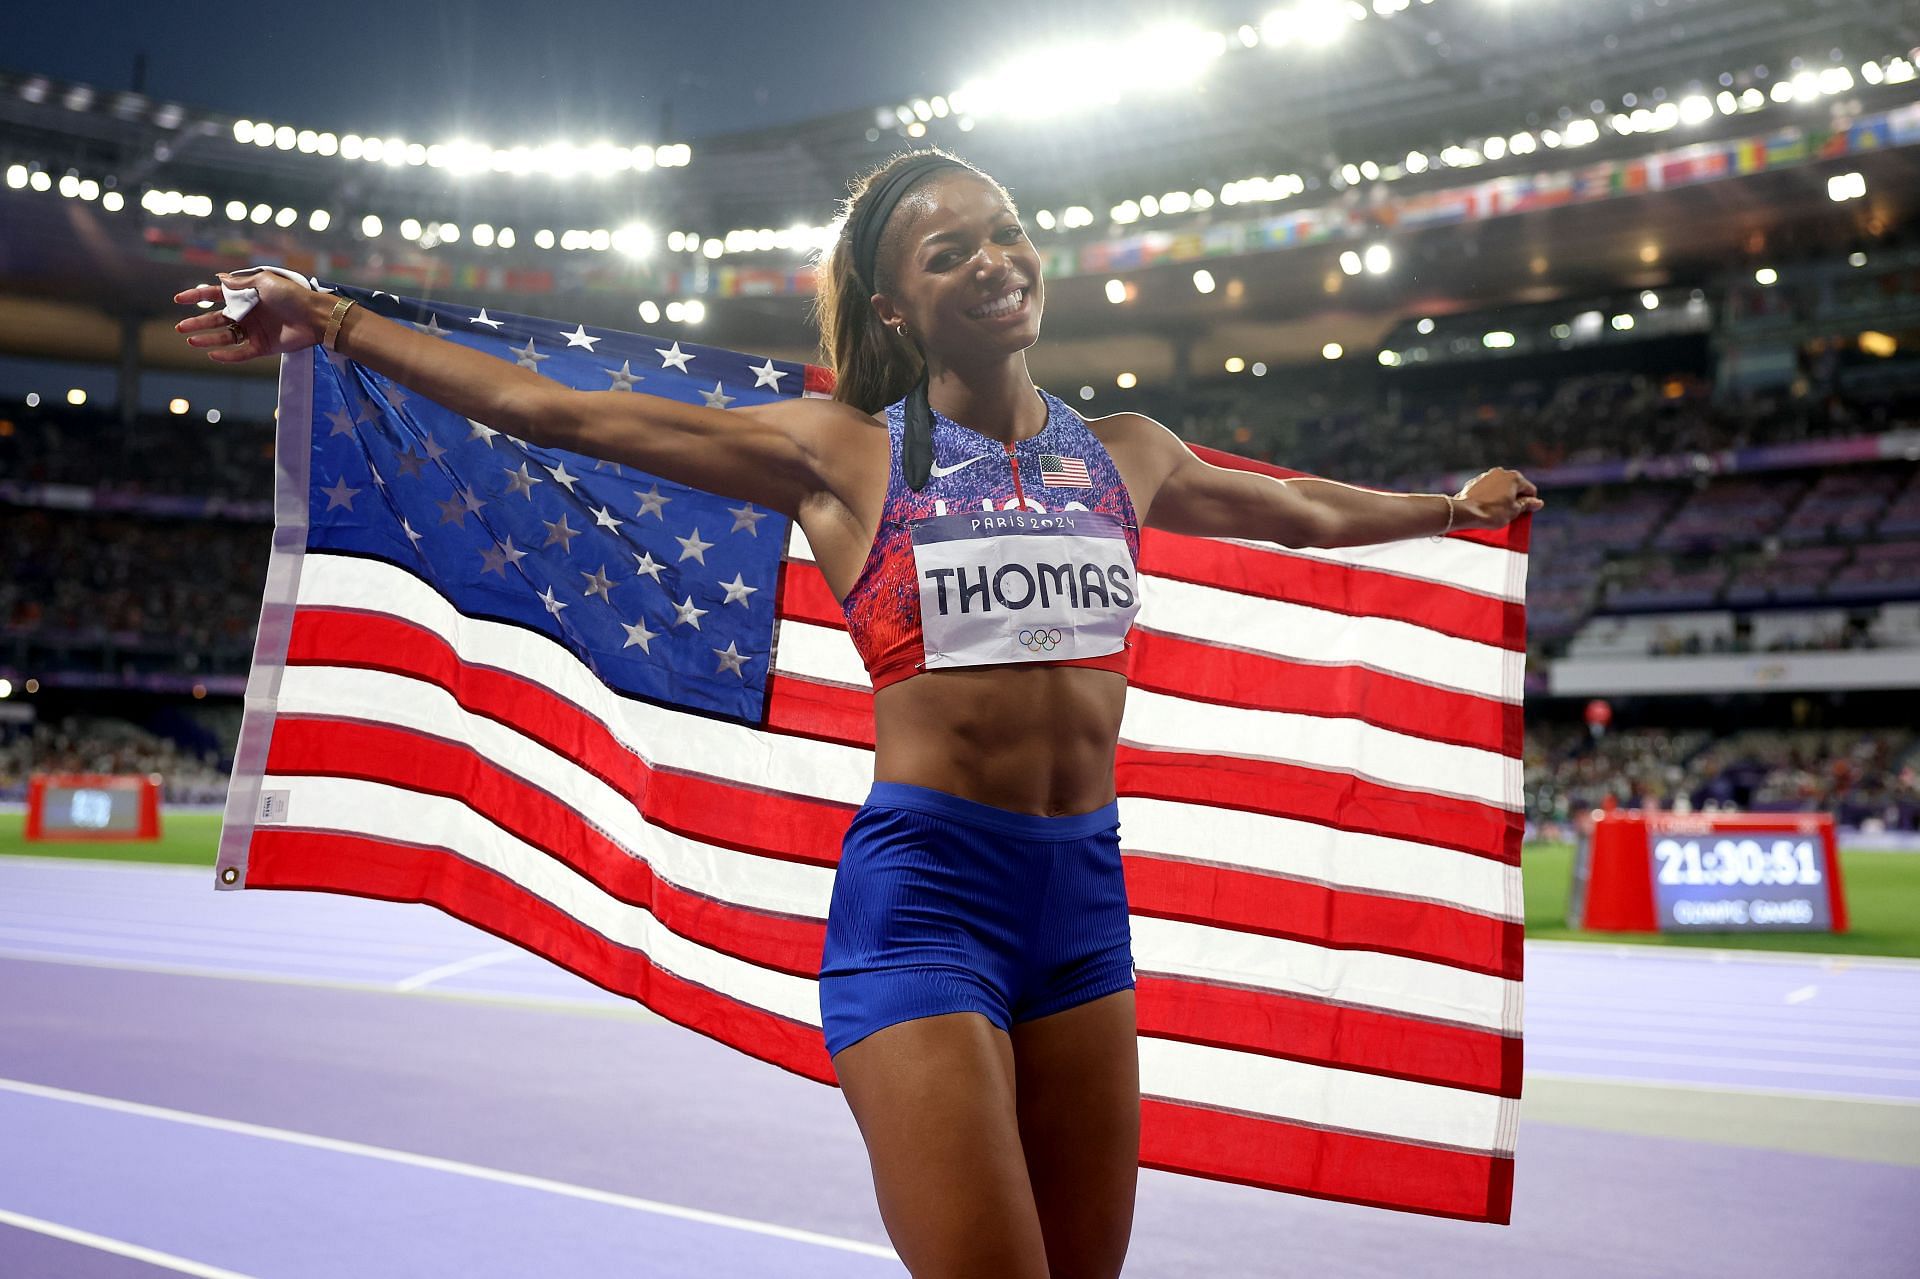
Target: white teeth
1001,306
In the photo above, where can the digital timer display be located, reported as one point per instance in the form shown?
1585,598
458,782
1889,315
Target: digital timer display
1763,880
91,810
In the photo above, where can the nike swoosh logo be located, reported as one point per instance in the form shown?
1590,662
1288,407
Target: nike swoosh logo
940,472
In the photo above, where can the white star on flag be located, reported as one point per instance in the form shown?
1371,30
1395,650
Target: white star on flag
623,377
693,547
745,517
553,605
689,614
411,535
342,422
766,374
731,659
341,495
522,481
432,327
579,337
717,398
528,358
560,531
598,583
637,633
673,357
606,519
737,590
561,476
648,566
651,502
501,557
484,318
481,431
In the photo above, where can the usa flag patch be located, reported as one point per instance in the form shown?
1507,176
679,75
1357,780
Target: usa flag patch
1064,472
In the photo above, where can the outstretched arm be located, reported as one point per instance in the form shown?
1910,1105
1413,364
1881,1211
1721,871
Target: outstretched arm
773,454
1197,497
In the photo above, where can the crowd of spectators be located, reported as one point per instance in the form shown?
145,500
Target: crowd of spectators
1866,777
162,455
101,745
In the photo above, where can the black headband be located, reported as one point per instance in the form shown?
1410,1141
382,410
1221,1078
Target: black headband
877,206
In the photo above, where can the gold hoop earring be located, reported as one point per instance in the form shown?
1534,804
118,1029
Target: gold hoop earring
901,329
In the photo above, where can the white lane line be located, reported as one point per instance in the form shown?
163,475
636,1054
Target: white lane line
1726,1063
1694,1085
570,992
1829,961
432,1163
455,968
118,1247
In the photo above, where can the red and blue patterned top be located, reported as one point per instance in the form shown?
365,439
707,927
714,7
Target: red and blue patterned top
1046,579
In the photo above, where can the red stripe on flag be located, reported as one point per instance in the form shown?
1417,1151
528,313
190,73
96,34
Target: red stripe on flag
1182,667
793,827
1336,918
805,596
1334,587
1339,800
1276,1155
1295,1028
400,757
364,867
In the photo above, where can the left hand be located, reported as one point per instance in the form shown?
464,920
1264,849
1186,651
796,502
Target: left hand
1495,498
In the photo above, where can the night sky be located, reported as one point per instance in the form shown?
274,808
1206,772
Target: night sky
531,70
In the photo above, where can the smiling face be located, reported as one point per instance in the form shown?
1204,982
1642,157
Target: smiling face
960,272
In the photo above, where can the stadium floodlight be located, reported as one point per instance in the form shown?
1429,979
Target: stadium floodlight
1766,277
1076,215
1235,364
1332,351
1125,213
327,144
1126,381
1856,259
649,312
676,311
1390,359
634,240
713,248
1622,323
286,217
1697,108
448,231
1579,133
1044,219
504,237
1203,280
1052,82
1116,291
371,226
213,416
16,176
1424,326
1378,259
1497,340
483,235
113,201
285,137
695,311
1494,148
1846,186
1650,300
319,220
260,214
1259,369
543,238
410,229
1350,262
76,397
1086,393
177,406
33,399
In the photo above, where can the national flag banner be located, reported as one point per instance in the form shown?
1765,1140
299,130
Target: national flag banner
1064,472
618,721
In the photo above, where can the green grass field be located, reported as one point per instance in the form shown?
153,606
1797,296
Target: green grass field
1883,890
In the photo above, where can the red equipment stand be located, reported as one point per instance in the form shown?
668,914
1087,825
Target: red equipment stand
47,821
1634,863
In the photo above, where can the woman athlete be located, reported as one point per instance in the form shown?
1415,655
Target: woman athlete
977,986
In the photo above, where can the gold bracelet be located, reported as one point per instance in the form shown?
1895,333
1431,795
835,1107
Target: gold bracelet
1449,528
332,335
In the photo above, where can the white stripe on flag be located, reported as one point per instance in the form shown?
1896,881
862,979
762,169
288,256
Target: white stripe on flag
391,812
1361,978
1342,1100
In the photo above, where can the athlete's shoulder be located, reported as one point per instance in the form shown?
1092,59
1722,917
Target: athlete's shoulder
1135,433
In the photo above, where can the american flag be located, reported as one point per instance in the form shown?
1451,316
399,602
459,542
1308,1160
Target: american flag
1064,472
619,722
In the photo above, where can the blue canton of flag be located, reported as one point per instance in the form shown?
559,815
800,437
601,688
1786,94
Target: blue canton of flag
664,591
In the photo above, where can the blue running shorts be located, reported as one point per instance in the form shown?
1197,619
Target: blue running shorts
944,905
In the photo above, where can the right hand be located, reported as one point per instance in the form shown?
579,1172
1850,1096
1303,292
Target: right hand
285,319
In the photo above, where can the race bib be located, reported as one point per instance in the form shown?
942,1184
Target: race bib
1016,586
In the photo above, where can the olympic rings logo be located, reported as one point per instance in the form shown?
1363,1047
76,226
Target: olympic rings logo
1044,640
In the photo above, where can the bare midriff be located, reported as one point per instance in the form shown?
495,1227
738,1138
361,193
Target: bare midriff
1034,738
